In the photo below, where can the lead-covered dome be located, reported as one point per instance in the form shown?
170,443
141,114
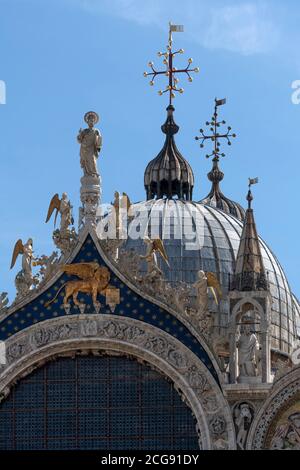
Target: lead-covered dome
216,198
217,251
169,174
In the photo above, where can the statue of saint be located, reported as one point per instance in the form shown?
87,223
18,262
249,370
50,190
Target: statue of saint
90,141
243,419
248,346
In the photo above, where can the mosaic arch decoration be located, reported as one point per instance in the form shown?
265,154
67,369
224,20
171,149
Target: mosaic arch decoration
133,304
37,344
277,424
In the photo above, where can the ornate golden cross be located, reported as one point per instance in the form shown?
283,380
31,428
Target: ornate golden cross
171,72
216,136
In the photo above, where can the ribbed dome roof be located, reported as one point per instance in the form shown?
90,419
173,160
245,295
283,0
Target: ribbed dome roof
169,174
221,239
217,199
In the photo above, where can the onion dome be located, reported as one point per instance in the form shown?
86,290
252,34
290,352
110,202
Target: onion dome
217,199
169,174
250,272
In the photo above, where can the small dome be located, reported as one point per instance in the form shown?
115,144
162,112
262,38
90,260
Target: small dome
217,199
169,174
221,241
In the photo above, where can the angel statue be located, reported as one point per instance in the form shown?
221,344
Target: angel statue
63,207
90,141
153,247
205,282
24,279
121,203
63,237
94,279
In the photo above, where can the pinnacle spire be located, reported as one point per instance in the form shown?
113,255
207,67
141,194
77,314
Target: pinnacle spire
250,274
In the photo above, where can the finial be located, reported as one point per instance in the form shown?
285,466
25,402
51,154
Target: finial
250,197
170,71
215,137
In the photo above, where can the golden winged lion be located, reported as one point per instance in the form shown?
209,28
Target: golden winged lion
94,280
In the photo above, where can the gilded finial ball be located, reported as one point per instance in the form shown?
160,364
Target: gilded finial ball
150,64
202,146
172,95
159,54
181,51
234,136
160,93
201,130
190,79
145,74
197,70
181,90
165,61
151,83
190,60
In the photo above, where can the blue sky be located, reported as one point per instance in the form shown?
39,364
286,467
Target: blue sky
61,58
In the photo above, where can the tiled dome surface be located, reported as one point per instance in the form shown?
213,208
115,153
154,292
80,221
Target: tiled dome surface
221,241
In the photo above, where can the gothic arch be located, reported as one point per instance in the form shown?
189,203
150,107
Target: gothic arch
285,392
36,345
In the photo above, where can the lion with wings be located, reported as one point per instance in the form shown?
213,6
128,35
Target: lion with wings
94,279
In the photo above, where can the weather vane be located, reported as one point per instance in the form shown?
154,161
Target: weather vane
251,182
216,136
170,71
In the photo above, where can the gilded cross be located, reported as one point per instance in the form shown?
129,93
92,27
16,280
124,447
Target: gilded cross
170,71
215,135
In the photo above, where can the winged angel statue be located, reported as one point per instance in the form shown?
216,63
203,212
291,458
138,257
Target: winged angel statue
94,279
24,279
63,236
63,207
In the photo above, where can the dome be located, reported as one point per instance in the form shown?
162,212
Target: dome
217,199
169,174
216,253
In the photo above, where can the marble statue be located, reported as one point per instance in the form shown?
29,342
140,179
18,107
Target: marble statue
90,141
64,208
201,288
24,279
243,419
247,345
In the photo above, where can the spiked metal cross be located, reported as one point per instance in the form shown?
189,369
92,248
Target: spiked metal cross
171,72
216,136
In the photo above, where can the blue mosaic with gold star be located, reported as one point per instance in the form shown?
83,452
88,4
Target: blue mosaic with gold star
131,305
